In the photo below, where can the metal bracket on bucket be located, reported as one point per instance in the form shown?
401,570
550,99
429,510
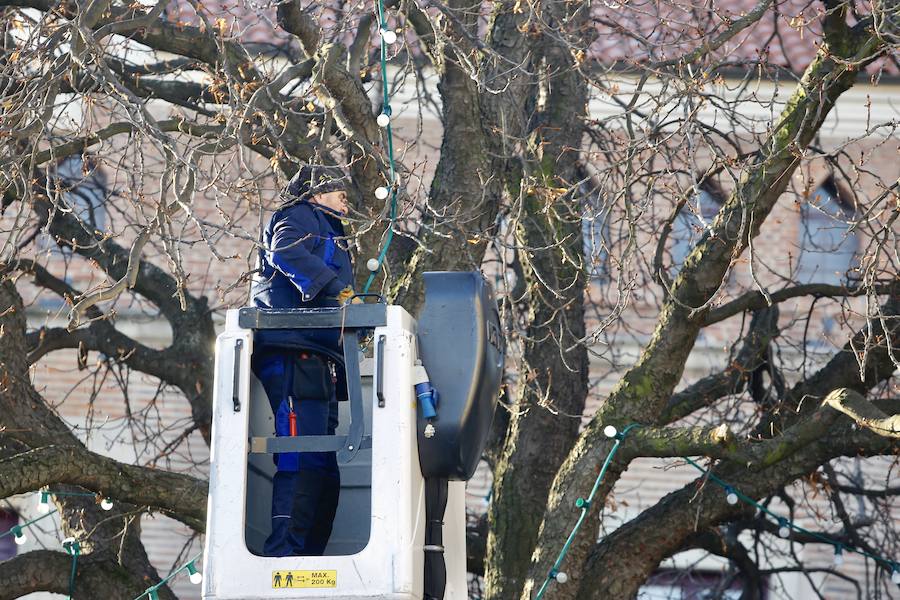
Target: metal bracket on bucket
349,319
306,443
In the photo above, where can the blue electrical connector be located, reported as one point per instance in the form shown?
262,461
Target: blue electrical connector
428,397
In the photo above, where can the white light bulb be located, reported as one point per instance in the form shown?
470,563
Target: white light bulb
196,577
838,558
383,120
388,36
561,577
106,504
372,264
731,498
784,531
381,192
20,538
610,431
895,576
43,507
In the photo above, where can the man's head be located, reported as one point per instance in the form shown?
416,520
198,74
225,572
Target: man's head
319,184
335,201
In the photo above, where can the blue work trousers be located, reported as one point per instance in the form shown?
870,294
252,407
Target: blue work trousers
306,486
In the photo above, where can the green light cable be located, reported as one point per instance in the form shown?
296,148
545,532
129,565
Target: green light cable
585,506
74,548
783,522
386,110
150,592
18,528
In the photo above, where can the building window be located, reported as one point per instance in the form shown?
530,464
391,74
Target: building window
78,186
81,188
695,217
595,231
828,247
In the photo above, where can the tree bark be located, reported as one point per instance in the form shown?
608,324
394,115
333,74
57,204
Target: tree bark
179,496
553,372
642,393
26,421
48,571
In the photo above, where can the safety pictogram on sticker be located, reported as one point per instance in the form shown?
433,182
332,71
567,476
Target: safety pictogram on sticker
304,579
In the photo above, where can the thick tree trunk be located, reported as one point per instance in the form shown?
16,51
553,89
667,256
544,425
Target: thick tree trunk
642,393
25,421
466,190
553,371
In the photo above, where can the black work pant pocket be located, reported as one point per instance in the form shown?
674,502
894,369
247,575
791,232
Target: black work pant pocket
312,378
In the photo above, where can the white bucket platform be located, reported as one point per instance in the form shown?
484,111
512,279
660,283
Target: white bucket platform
376,547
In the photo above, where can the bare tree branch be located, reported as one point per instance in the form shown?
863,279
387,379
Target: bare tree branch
864,413
49,570
180,496
756,300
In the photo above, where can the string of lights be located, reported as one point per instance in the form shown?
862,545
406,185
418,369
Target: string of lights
44,500
585,505
388,37
787,526
71,545
74,548
194,574
19,530
732,496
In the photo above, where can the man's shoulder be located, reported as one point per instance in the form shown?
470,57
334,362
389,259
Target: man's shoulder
301,210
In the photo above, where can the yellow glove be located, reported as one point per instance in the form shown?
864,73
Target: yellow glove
347,293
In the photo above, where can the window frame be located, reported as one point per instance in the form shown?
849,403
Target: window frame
824,260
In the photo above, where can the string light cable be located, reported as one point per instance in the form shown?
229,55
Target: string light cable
190,566
732,496
388,37
787,526
44,499
585,505
18,530
74,548
71,545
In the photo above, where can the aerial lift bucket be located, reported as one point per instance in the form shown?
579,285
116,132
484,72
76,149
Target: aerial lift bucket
404,453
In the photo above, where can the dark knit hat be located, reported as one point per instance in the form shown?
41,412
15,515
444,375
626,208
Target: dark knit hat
315,179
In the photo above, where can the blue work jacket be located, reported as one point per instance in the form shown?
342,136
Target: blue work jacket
303,263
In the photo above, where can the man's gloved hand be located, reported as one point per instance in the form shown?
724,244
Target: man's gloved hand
340,292
347,293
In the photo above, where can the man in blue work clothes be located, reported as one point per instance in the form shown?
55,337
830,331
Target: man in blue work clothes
303,263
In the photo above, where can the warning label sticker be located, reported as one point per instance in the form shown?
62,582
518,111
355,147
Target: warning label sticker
304,579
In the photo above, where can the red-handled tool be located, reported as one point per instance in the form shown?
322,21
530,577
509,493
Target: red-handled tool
292,418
